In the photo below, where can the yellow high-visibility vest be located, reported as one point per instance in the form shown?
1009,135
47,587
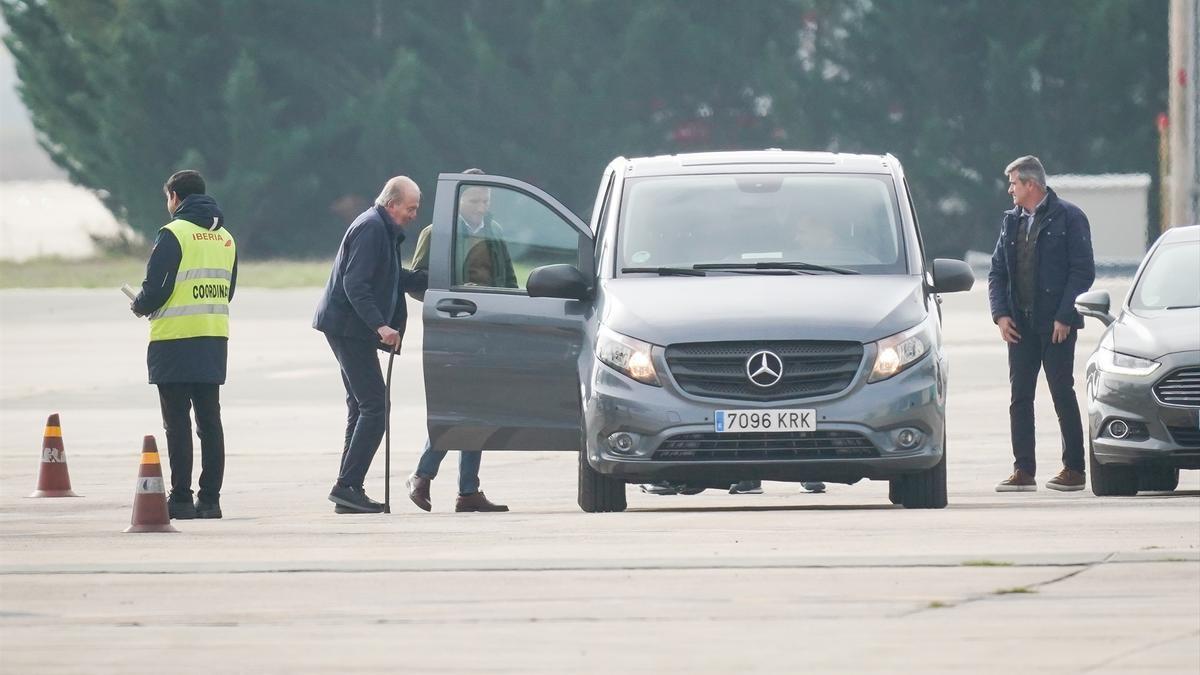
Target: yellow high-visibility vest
199,304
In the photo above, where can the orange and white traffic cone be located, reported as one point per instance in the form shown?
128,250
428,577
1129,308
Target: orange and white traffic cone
53,479
150,497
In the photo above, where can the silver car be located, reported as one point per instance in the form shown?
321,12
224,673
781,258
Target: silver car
1143,380
722,317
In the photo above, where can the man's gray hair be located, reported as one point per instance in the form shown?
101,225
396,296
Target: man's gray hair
1028,168
395,190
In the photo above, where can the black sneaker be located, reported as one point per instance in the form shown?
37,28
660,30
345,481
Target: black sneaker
208,509
354,499
181,510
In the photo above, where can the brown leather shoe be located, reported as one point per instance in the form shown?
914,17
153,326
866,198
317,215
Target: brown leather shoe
477,502
1019,481
1067,480
418,492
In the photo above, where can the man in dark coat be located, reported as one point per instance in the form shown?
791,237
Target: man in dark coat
190,280
363,310
1042,261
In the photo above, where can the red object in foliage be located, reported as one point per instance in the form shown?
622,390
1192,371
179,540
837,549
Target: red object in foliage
692,131
1163,121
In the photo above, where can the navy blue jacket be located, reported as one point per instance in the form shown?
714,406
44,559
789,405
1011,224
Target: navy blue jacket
199,360
1064,264
367,284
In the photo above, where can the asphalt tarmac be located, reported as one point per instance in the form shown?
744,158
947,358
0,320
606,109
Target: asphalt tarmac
785,581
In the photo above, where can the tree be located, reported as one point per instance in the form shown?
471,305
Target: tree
958,90
297,110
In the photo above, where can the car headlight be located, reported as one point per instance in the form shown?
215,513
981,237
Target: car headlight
897,352
1123,364
626,355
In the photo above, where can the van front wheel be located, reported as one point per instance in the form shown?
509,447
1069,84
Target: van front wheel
927,489
598,493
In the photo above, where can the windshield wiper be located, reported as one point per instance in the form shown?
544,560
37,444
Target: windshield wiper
665,271
1183,307
764,265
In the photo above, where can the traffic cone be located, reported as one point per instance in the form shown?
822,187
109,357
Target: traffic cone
53,479
150,497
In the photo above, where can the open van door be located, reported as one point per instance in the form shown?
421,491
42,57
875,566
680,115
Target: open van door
501,367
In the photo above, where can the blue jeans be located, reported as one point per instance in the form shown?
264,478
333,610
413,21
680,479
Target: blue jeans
468,468
1036,352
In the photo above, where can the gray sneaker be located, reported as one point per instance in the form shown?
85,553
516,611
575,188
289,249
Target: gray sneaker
660,488
814,487
746,487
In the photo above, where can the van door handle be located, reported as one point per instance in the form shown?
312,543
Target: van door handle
456,307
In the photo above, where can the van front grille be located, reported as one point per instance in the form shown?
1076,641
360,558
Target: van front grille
810,368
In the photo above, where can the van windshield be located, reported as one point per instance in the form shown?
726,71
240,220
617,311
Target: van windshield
845,221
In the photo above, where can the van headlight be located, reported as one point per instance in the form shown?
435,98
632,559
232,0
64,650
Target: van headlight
626,355
895,353
1123,364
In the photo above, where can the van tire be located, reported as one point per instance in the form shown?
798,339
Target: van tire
1111,480
598,493
895,487
927,489
1157,479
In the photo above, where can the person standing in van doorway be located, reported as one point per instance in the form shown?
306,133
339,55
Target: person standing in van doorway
481,259
190,279
1042,261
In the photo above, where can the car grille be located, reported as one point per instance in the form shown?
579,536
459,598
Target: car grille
810,368
1189,437
1181,387
715,447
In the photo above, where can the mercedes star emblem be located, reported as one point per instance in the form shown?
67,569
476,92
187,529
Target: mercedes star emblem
764,368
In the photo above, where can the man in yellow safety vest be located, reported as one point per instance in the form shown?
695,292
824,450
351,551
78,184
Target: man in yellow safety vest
189,283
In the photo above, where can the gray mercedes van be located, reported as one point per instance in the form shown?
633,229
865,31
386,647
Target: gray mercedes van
722,317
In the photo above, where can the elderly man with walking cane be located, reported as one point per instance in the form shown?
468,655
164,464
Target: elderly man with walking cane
361,311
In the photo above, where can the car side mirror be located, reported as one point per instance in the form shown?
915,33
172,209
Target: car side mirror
558,281
952,276
1095,304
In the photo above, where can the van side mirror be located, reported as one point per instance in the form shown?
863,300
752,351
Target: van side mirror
558,281
952,276
1095,304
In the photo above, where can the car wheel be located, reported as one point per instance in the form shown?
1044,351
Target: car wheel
1111,480
895,487
598,493
1157,479
927,489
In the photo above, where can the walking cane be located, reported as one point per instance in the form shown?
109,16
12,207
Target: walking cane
387,436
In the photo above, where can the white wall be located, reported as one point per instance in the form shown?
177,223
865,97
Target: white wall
1117,208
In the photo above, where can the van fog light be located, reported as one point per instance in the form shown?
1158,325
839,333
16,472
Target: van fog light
1118,429
622,443
908,438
